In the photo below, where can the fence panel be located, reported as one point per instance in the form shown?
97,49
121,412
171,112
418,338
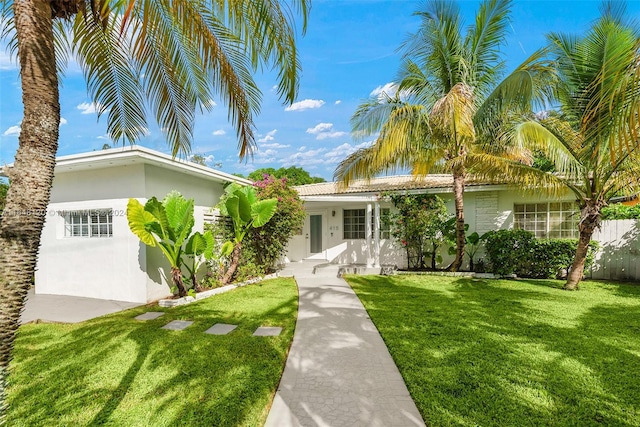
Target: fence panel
619,255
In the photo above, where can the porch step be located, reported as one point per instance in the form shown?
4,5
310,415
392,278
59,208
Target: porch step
338,270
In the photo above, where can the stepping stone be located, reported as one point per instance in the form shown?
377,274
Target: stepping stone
149,315
267,331
177,325
220,329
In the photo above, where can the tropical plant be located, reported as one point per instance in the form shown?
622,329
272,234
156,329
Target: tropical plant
591,136
446,109
177,54
168,225
269,242
241,204
293,174
421,225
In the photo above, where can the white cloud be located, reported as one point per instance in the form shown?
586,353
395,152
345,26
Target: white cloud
326,135
218,132
210,103
320,127
12,131
338,102
306,104
305,158
337,154
389,89
324,131
63,121
269,136
275,145
86,108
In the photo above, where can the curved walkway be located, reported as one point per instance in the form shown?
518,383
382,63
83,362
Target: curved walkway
339,371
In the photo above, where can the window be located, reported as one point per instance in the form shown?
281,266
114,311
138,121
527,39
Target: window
354,221
98,223
385,225
548,220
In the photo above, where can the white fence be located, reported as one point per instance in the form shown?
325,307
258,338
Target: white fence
619,255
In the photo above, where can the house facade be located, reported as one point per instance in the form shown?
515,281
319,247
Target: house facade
87,248
345,225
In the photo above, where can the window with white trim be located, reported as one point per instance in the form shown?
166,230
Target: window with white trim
548,220
94,223
354,221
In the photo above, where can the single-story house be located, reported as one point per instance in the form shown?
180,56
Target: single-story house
344,225
87,248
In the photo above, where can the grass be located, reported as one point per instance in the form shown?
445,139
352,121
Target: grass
117,371
511,353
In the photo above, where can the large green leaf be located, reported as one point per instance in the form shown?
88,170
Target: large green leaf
263,211
232,205
196,245
250,192
179,215
139,221
227,249
210,244
244,207
162,228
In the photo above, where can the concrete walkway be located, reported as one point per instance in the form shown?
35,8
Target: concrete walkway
66,309
339,371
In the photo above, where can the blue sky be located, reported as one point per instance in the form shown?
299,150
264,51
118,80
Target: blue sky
348,53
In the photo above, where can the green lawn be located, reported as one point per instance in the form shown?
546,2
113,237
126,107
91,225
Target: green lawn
118,371
511,353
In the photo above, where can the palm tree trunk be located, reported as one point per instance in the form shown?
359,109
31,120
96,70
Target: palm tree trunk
233,266
458,194
176,278
32,174
589,220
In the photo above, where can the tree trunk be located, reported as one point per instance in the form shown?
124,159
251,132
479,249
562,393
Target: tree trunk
176,278
32,174
589,220
233,266
458,194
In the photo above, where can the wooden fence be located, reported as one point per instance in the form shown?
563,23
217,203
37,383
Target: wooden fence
619,255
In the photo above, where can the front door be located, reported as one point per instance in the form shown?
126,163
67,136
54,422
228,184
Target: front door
315,234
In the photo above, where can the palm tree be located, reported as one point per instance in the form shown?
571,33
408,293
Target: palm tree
446,110
592,135
176,54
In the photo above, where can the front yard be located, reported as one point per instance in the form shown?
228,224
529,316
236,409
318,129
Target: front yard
119,371
511,353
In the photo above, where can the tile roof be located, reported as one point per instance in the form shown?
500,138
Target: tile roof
376,185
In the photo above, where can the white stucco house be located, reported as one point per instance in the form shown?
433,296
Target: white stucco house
87,248
344,225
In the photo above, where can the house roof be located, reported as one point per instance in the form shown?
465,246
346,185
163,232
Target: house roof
381,184
135,154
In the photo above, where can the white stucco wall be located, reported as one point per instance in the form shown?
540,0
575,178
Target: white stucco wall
118,267
106,268
484,210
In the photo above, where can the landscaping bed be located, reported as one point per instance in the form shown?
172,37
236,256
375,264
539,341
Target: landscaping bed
506,353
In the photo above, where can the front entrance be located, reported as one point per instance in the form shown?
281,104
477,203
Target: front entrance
315,233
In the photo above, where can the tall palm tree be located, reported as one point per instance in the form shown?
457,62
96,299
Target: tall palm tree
177,54
592,135
447,107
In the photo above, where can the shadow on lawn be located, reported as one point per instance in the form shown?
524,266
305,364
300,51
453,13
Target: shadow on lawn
502,352
119,371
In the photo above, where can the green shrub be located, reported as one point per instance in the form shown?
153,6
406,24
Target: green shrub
506,250
620,211
519,252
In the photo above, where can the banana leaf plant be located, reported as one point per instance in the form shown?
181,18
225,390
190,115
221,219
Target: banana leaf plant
167,225
199,248
241,204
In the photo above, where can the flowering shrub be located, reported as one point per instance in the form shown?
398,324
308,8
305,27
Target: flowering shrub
421,225
266,245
